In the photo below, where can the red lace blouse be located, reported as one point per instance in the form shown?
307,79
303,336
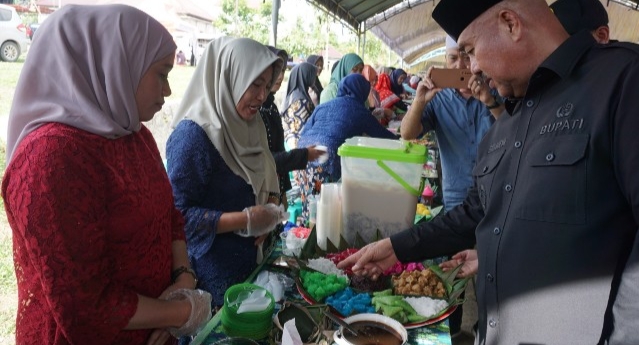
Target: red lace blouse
93,221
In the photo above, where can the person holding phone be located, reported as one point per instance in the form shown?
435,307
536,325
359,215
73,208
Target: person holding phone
459,117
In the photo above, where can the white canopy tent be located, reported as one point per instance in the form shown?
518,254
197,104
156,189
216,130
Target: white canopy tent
408,29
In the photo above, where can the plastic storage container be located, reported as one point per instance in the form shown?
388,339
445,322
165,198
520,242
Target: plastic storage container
255,324
381,182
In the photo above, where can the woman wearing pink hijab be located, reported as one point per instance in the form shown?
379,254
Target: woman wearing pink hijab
98,245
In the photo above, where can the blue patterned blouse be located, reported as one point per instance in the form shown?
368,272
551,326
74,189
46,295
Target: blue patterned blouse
204,187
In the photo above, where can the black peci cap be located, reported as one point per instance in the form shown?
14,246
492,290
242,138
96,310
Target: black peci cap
455,15
577,15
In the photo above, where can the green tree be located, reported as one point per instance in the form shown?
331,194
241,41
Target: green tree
376,52
307,36
305,39
239,20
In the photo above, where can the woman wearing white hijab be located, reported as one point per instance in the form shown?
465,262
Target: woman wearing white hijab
96,235
219,164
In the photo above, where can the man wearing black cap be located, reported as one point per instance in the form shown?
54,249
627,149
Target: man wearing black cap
555,206
577,15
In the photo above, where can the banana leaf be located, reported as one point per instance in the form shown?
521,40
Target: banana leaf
435,211
378,235
308,328
330,247
454,286
359,241
454,297
343,245
447,277
310,249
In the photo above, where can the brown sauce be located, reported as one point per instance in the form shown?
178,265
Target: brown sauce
372,333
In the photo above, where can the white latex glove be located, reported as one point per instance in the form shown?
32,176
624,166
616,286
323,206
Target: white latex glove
262,219
200,311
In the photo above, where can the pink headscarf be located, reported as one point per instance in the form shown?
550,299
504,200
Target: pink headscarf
371,75
83,70
386,95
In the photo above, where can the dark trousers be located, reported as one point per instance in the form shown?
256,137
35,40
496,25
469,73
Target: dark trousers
455,319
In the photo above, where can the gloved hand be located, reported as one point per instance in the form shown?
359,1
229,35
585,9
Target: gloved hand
200,311
262,219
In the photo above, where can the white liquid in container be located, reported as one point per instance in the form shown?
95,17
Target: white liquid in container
370,205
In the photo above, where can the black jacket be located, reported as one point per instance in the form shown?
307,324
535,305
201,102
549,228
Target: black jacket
285,161
555,207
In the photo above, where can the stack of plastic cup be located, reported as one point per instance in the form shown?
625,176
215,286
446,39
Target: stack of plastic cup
254,324
329,215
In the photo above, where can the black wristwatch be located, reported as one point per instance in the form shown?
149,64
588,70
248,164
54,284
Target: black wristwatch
182,269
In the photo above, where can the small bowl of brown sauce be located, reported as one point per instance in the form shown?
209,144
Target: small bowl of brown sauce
372,329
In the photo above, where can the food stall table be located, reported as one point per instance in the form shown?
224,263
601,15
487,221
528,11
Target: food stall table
435,334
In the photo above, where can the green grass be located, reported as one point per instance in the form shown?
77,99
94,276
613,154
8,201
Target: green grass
9,73
8,327
179,79
7,277
8,285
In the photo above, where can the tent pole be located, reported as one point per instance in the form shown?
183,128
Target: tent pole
326,36
236,19
275,11
363,46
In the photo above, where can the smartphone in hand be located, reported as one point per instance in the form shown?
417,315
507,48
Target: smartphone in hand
450,78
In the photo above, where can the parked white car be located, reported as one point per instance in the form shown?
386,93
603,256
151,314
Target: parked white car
13,34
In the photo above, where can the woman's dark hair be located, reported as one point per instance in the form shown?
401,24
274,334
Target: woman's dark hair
334,65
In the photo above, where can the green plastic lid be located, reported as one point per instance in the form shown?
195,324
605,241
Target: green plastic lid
384,149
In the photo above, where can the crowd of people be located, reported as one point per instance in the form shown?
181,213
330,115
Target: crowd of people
539,185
